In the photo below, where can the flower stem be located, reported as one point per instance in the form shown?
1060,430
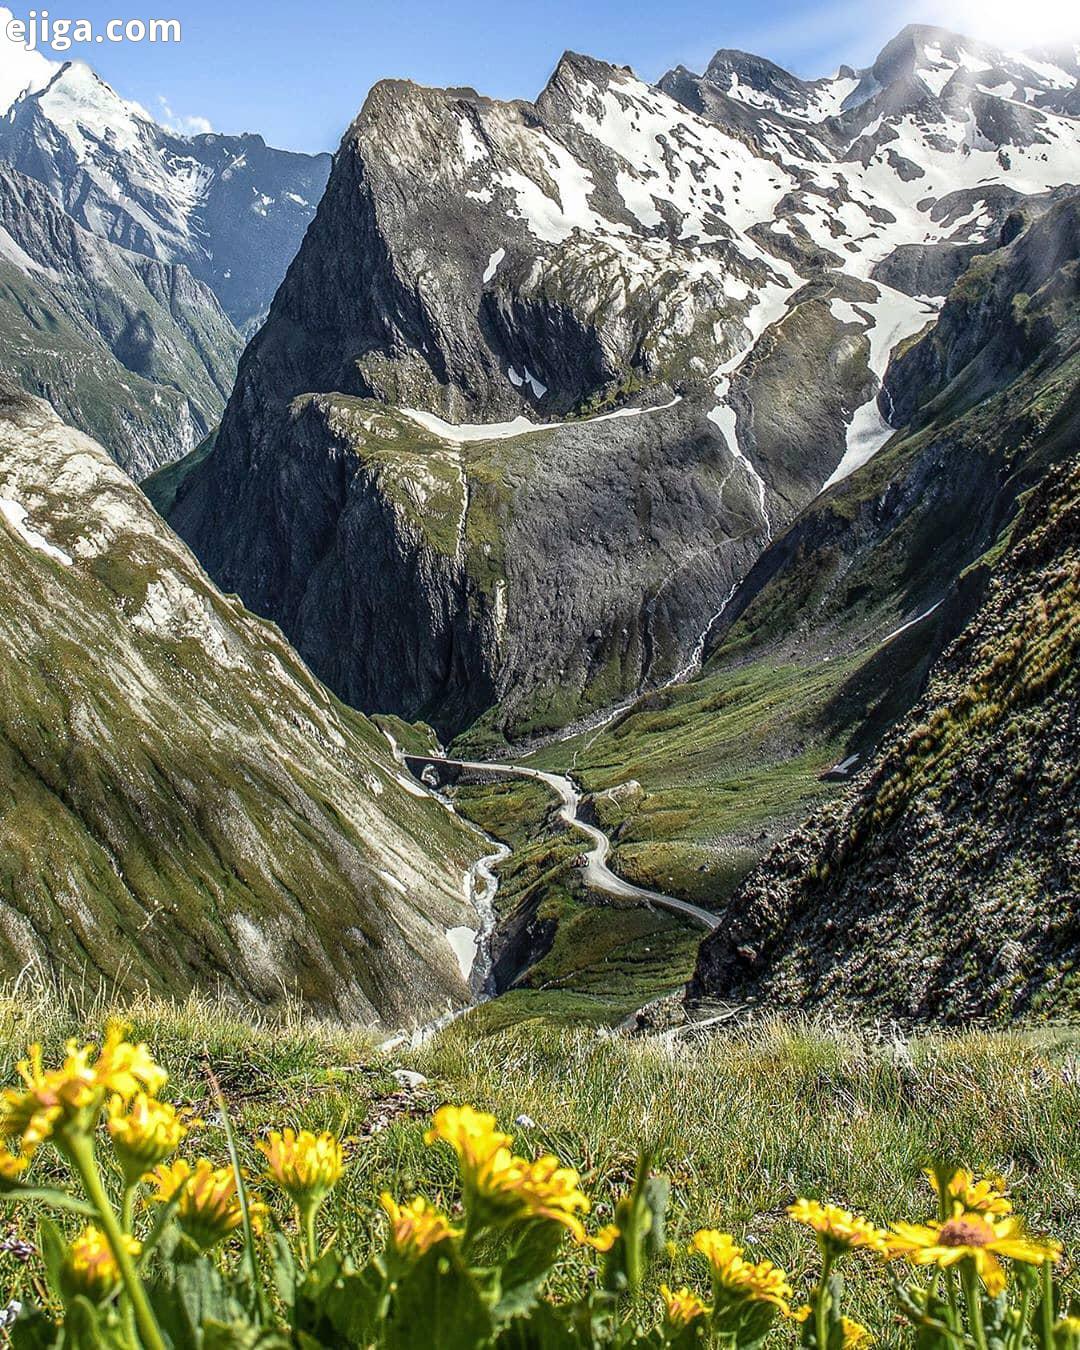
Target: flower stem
1022,1320
1046,1308
974,1303
822,1298
954,1305
80,1152
307,1212
127,1217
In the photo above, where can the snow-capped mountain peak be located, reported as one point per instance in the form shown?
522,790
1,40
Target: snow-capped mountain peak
84,107
229,207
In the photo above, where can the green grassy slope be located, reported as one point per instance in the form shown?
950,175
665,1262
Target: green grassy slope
181,804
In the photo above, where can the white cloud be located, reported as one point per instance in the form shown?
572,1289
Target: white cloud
20,70
182,126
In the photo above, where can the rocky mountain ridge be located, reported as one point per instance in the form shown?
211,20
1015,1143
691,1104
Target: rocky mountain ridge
710,274
135,351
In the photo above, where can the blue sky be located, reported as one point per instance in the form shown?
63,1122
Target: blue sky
298,73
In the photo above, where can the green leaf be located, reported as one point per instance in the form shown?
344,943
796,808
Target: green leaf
526,1268
189,1292
53,1252
437,1305
338,1306
35,1330
929,1315
241,1191
46,1195
90,1328
544,1328
656,1194
283,1268
686,1338
241,1336
755,1324
162,1220
836,1309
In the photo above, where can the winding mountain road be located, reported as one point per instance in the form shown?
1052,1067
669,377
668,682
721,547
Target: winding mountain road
596,871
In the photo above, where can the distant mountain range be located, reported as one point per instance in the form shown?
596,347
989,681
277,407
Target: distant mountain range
135,259
230,208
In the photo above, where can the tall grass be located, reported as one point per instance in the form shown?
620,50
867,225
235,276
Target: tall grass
742,1122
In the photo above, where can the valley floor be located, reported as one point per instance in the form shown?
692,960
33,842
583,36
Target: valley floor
741,1122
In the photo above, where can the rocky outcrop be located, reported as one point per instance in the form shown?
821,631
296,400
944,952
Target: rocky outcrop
943,886
182,806
1013,307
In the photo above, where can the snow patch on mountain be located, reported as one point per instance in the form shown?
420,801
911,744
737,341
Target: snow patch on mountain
892,317
16,516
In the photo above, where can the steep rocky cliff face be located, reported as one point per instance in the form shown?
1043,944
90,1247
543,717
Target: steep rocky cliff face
943,886
416,544
134,351
182,805
725,263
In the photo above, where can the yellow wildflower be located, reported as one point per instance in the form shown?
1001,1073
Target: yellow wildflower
74,1094
682,1307
975,1197
12,1166
143,1133
838,1227
973,1237
90,1267
415,1227
734,1278
855,1334
208,1209
304,1165
1067,1333
604,1240
502,1188
473,1135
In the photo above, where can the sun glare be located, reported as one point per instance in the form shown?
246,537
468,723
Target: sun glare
1006,24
